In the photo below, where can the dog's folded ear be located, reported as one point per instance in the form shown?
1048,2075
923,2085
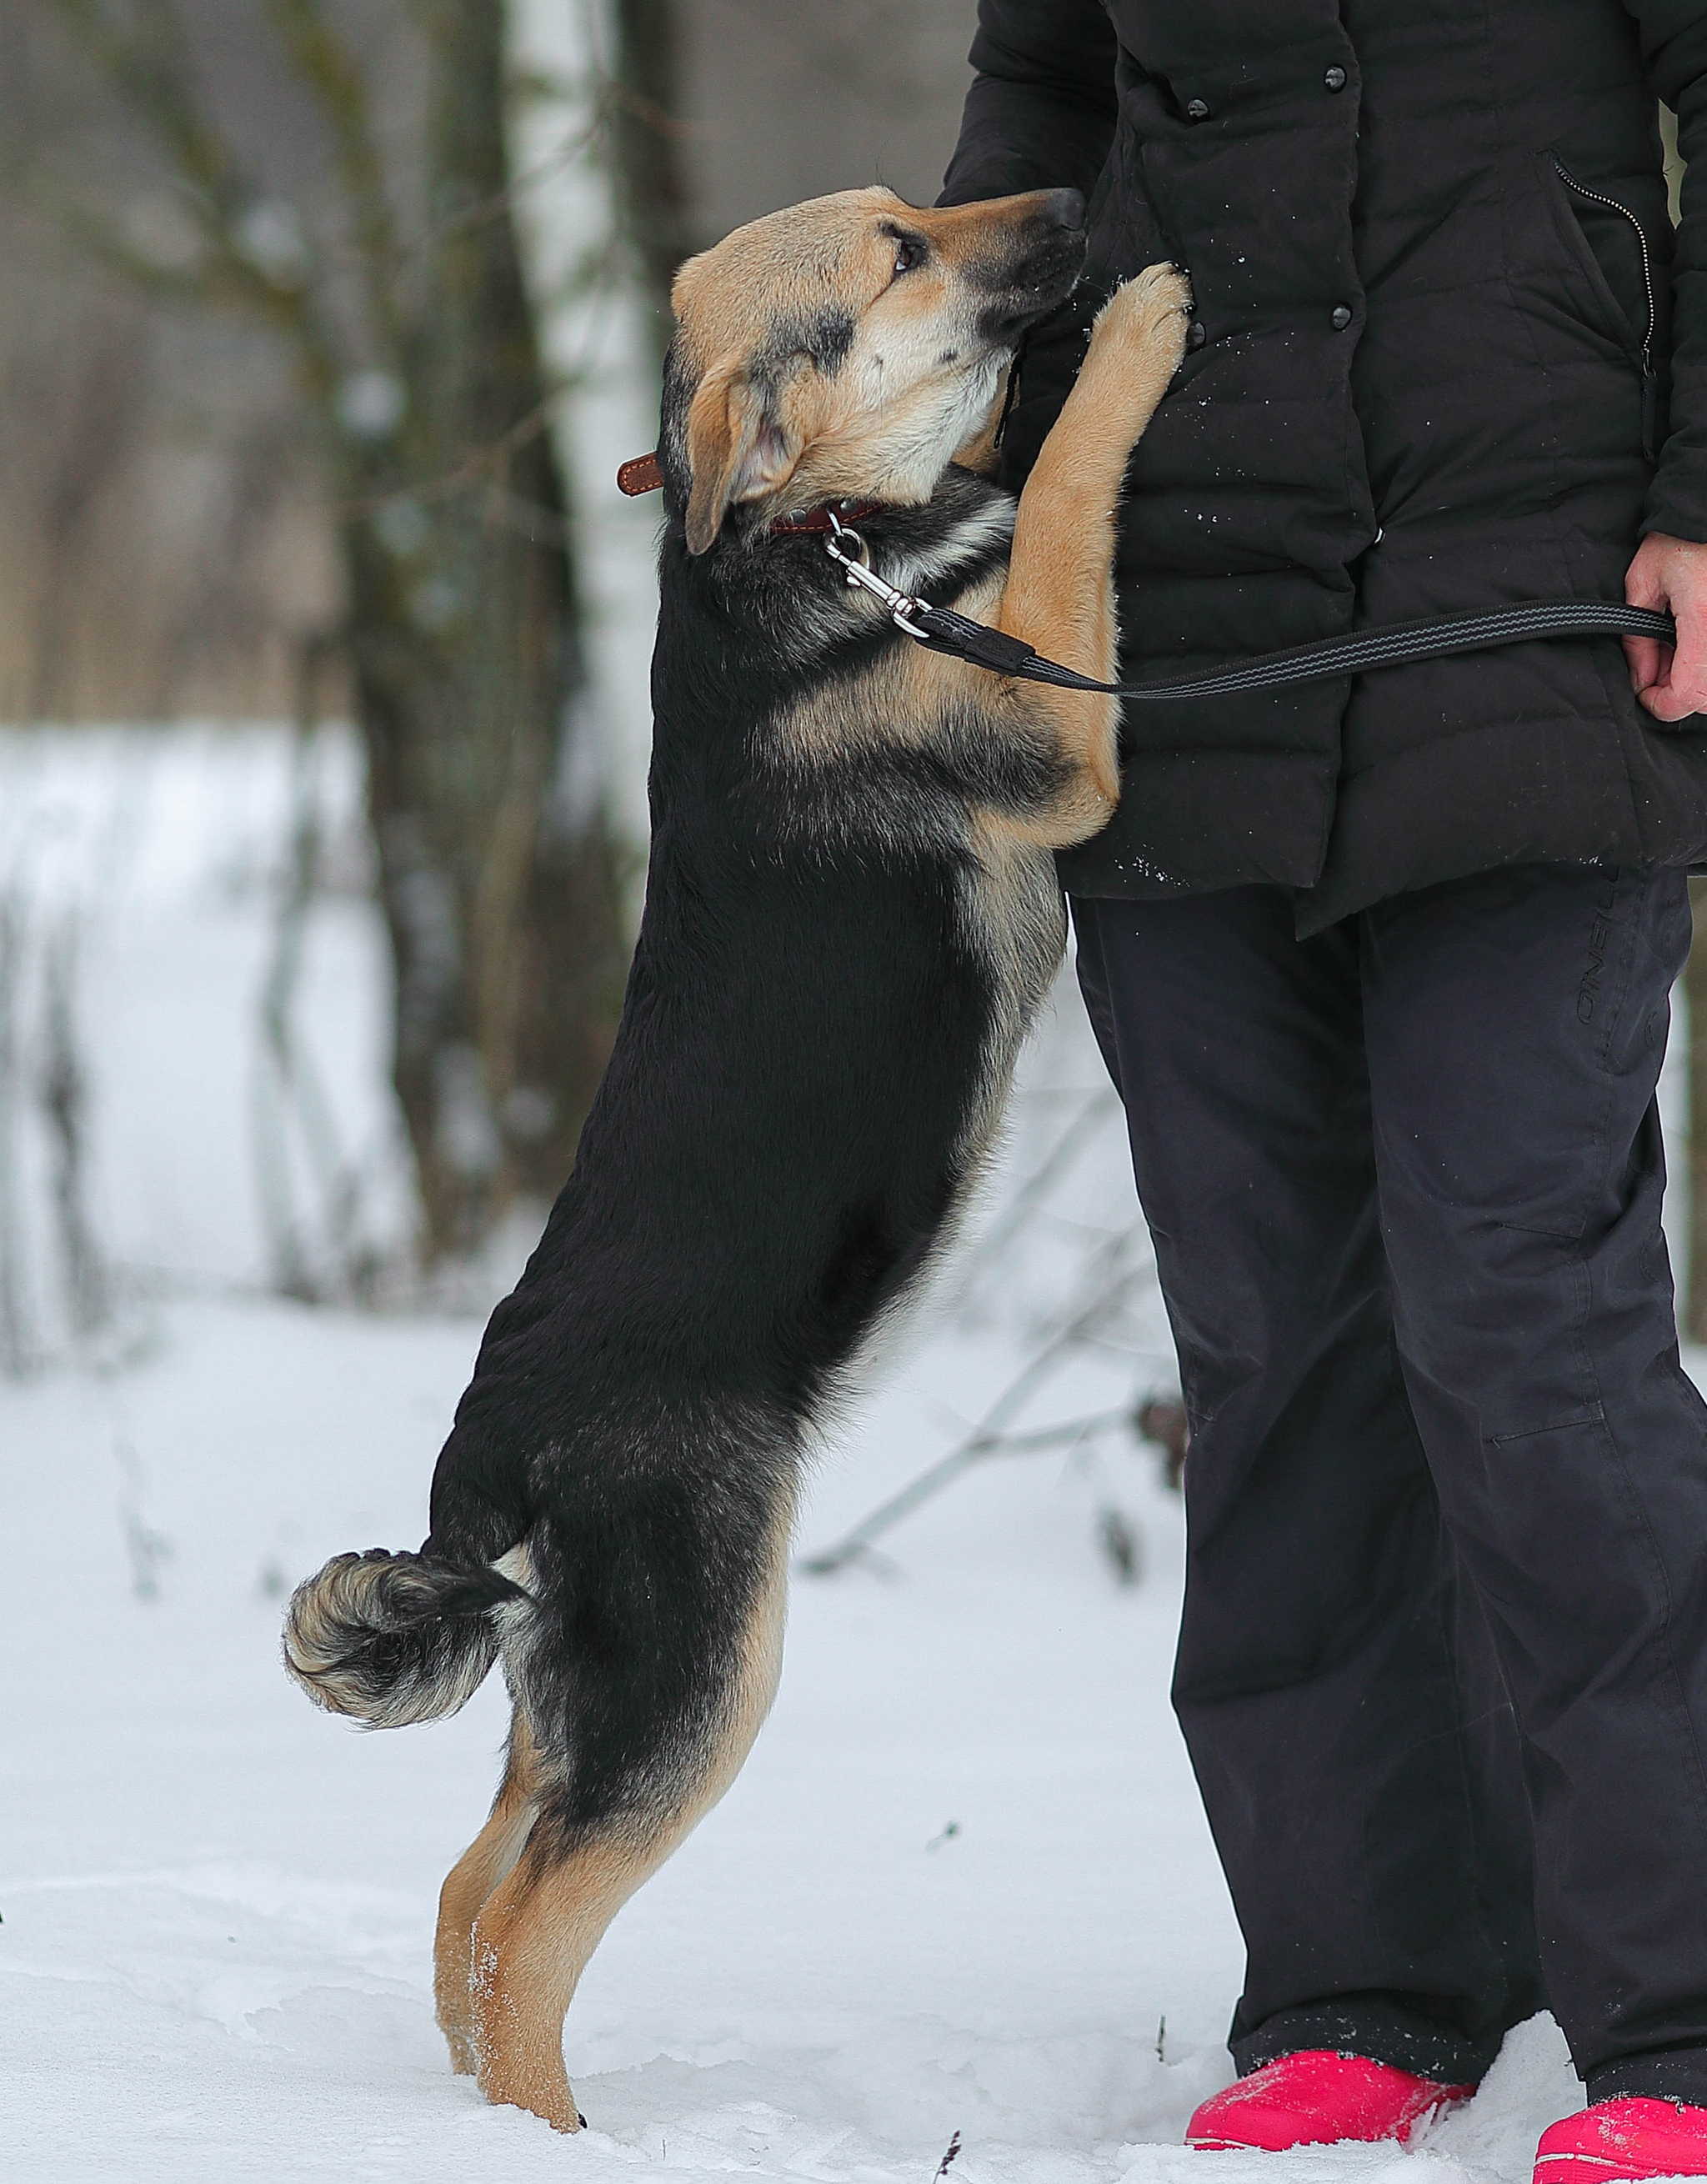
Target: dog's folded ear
738,447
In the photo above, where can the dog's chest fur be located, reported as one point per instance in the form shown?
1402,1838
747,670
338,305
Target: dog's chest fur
840,754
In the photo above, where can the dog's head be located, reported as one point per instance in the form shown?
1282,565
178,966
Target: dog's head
847,347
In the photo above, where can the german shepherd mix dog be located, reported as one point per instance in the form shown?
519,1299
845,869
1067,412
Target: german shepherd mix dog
851,917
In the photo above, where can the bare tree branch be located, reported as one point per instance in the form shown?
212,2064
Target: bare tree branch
325,65
1071,1141
1103,1283
202,285
483,466
150,66
642,92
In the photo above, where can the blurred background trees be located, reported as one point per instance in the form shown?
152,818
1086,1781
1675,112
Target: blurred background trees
341,180
326,322
281,436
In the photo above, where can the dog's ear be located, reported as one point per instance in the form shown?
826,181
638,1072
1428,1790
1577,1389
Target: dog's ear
737,447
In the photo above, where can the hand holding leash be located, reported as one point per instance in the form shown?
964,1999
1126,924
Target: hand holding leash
1360,652
1324,660
1669,573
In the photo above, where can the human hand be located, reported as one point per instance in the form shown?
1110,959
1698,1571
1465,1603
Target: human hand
1669,574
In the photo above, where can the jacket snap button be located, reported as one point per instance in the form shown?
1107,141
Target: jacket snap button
1335,78
1196,109
1340,317
1196,334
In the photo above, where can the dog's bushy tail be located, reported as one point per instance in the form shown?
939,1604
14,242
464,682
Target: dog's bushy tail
393,1639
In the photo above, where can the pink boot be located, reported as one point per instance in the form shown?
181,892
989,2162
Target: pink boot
1612,2140
1316,2098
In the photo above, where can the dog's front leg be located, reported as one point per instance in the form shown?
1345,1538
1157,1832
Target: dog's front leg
1059,594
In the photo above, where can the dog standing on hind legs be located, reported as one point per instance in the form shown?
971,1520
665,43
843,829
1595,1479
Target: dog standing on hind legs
851,919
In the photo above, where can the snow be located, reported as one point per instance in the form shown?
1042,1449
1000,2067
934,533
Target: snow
218,1904
162,850
963,1883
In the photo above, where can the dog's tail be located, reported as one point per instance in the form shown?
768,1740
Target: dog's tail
393,1638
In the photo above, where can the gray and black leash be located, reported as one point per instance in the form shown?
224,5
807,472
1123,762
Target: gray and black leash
1386,645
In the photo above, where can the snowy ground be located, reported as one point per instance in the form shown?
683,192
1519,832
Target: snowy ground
959,1887
218,1904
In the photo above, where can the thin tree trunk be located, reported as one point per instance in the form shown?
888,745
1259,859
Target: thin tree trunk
417,352
652,202
496,871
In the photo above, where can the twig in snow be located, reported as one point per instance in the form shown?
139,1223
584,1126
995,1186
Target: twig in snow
148,1550
1101,1288
1060,1157
947,2161
14,1332
286,1082
1121,1543
1161,1420
64,1100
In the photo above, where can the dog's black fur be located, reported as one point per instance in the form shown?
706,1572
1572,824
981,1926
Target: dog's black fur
850,920
791,1112
793,1107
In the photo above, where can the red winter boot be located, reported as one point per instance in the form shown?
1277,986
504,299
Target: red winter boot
1316,2098
1612,2140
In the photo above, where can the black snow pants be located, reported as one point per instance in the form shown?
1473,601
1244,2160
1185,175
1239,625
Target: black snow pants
1443,1671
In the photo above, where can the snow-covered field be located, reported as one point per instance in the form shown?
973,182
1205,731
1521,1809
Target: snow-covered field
963,1885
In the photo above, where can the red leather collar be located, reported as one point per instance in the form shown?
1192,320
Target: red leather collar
641,475
846,512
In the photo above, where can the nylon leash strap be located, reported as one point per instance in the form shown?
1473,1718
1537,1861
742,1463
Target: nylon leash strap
1359,652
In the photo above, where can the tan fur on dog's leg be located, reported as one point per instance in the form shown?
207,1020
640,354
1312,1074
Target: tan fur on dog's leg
538,1929
531,1943
487,1861
1060,595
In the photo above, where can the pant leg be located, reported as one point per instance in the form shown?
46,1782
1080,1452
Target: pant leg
1515,1027
1334,1681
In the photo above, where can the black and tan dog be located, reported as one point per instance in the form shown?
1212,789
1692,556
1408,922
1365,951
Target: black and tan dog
851,918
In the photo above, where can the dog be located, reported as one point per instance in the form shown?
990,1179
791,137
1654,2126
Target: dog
851,919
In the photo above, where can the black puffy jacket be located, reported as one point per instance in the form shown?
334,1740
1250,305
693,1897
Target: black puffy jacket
1434,275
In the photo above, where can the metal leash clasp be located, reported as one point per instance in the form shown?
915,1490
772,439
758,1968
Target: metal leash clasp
858,565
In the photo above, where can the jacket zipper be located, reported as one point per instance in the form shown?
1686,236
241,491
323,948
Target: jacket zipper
1650,388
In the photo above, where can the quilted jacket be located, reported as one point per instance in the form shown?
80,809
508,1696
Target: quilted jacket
1447,354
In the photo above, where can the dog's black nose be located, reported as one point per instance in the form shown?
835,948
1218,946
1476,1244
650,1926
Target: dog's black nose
1065,209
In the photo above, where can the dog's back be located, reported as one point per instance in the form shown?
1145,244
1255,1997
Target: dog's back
851,918
818,1023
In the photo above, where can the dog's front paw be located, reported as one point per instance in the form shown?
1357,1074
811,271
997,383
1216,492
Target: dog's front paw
1146,317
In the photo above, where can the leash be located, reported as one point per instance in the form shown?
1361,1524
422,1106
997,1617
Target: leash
1387,644
1324,660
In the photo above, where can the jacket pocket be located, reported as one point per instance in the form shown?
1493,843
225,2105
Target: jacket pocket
1611,248
1611,251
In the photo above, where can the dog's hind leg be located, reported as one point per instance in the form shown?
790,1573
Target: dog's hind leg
487,1861
531,1942
536,1931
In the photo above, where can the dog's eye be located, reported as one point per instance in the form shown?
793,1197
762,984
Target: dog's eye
910,252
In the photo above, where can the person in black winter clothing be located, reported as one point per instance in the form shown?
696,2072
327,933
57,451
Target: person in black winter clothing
1381,968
